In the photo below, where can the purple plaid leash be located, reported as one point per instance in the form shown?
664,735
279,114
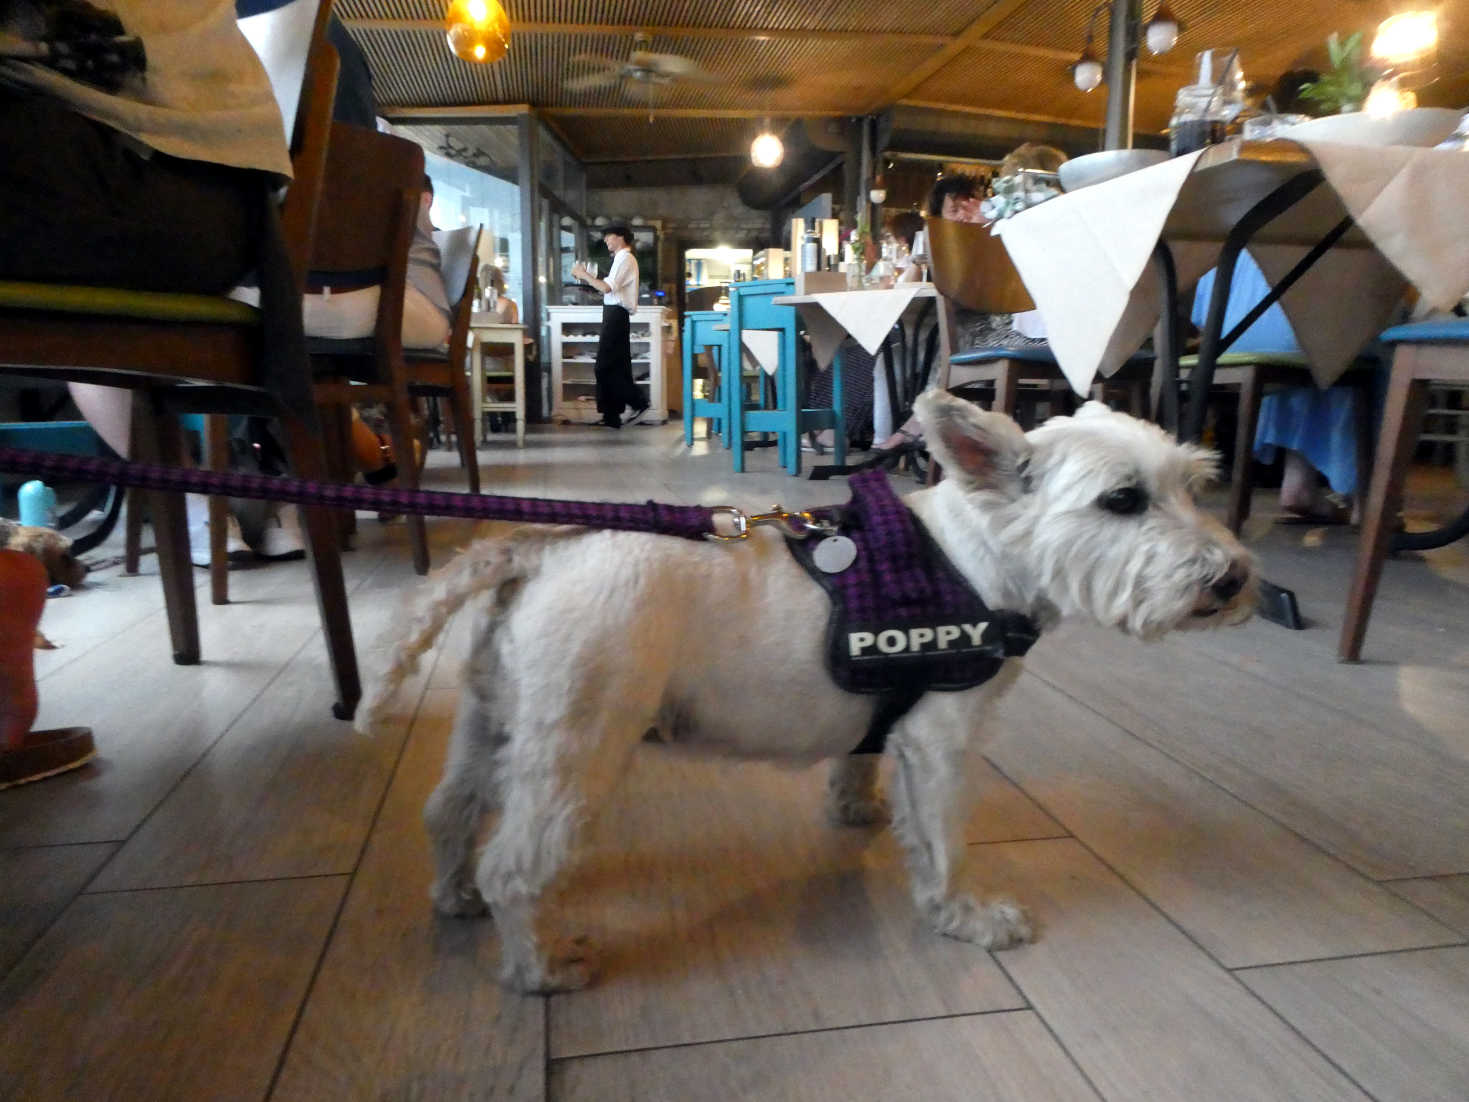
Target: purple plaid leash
694,522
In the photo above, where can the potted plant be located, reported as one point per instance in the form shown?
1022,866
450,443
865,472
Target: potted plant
1343,87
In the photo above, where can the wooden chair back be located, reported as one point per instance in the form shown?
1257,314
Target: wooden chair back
970,267
369,206
458,258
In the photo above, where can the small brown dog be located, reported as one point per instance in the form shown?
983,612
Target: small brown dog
51,547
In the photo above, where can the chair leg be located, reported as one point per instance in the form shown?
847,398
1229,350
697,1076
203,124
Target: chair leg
1007,387
161,441
1406,400
133,537
688,387
839,418
400,423
308,461
1241,485
459,410
217,458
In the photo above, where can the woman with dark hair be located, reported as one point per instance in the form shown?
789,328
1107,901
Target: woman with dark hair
616,390
956,198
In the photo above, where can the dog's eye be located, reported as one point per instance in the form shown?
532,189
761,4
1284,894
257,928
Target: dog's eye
1126,501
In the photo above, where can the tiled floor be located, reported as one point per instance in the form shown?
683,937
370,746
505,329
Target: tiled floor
1249,864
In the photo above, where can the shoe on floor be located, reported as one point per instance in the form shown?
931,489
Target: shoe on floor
609,423
281,536
235,548
633,416
44,754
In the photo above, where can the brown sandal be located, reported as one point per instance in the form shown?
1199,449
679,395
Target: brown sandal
44,754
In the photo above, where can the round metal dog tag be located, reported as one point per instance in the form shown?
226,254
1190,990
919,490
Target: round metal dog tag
834,554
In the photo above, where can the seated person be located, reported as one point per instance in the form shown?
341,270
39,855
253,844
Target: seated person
504,308
153,176
157,179
1316,428
958,198
352,313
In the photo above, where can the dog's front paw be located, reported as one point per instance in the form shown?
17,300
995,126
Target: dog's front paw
857,811
998,924
562,966
459,900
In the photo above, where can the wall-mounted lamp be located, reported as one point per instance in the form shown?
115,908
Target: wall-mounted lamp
477,30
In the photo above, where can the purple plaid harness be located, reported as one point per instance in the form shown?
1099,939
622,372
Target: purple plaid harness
903,621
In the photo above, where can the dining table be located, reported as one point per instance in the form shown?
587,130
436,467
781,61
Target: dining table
1342,232
877,318
495,339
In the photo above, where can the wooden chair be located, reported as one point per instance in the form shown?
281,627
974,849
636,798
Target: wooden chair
200,353
970,268
435,374
1423,352
369,207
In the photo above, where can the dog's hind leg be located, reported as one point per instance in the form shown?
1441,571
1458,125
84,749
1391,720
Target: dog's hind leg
852,798
458,805
928,817
553,780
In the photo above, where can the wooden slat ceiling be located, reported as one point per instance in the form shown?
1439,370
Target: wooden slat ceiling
1008,58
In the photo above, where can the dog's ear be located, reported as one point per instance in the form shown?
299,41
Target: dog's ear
980,450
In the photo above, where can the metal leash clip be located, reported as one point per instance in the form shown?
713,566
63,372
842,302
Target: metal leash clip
798,525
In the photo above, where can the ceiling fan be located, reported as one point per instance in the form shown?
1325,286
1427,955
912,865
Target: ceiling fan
642,67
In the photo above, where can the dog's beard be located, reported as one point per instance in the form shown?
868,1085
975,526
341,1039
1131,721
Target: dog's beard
1145,586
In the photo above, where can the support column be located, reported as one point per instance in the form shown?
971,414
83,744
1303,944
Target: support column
1122,38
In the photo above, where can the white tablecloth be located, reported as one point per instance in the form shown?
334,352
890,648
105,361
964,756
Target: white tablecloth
1087,257
867,316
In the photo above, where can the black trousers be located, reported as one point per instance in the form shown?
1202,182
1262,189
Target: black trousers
79,203
616,390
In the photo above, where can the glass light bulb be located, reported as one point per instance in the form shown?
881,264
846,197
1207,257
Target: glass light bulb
1087,73
1406,37
1161,35
766,151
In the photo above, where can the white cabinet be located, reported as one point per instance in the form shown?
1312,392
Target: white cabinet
573,333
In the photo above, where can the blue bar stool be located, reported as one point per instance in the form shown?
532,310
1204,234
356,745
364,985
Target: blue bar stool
699,335
752,307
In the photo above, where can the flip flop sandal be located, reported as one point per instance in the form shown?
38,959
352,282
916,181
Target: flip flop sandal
44,754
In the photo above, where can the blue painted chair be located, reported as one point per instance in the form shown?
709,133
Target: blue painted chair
1431,350
700,335
752,307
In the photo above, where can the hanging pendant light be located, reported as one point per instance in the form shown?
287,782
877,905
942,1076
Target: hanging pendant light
1161,32
766,151
478,30
1086,71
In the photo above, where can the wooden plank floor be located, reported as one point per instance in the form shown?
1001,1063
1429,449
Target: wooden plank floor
1249,865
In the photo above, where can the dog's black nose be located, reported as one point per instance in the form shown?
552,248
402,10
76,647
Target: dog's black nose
1227,586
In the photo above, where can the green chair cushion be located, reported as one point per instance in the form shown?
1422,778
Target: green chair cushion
116,302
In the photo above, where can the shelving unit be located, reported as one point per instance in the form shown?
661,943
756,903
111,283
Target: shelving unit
573,334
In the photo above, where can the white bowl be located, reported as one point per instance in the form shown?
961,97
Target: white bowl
1421,126
1093,168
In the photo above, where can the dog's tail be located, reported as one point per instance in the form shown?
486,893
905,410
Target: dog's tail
486,564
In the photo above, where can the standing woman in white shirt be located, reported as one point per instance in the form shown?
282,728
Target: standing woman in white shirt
616,390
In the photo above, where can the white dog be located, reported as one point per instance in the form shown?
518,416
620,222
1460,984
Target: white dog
594,638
